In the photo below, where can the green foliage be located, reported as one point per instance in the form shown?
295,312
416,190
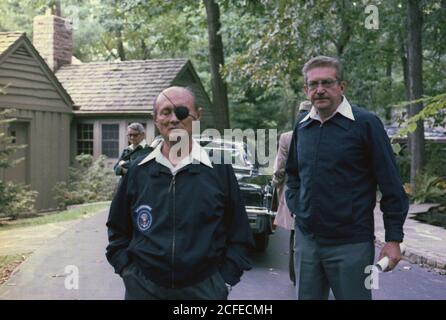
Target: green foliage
435,154
435,159
434,110
266,43
282,35
403,163
428,189
89,181
14,198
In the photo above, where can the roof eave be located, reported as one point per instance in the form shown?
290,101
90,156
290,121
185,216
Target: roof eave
83,113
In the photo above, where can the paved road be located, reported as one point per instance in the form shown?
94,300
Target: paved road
269,278
42,275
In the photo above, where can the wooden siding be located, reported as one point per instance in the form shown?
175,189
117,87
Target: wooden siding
28,85
39,103
48,151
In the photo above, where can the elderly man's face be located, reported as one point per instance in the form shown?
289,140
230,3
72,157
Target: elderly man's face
323,89
166,121
134,136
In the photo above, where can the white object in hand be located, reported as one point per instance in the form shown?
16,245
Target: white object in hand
383,264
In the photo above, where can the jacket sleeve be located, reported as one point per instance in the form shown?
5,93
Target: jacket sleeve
291,169
279,164
120,228
239,239
117,168
394,202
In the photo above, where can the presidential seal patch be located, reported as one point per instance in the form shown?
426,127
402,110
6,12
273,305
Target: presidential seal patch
143,217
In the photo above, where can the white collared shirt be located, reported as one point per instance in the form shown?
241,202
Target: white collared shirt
344,108
143,143
197,155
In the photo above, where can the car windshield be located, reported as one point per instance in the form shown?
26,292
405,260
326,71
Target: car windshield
230,152
237,153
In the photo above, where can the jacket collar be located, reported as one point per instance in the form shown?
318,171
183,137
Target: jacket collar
345,109
197,155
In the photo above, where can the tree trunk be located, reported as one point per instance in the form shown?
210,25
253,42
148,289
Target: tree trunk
56,8
345,34
388,111
216,61
415,59
145,50
405,63
120,45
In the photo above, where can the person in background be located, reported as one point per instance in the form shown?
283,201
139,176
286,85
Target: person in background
284,218
137,147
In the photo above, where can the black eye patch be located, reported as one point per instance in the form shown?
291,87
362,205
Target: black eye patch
181,112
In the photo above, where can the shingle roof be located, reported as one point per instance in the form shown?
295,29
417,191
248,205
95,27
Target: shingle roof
118,86
7,39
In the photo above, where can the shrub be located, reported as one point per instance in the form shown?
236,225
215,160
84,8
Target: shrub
435,161
428,189
403,163
88,181
16,199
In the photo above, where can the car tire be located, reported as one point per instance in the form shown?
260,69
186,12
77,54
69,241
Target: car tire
261,240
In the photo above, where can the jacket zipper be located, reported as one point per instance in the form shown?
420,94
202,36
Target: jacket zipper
172,187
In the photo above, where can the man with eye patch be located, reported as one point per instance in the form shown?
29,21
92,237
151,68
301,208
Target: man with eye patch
177,226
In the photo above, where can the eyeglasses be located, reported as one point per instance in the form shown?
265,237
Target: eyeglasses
326,84
133,135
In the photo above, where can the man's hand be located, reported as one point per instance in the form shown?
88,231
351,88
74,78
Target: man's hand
278,177
393,252
121,162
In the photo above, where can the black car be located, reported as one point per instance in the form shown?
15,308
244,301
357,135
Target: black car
256,197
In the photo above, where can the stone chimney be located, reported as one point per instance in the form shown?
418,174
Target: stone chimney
53,38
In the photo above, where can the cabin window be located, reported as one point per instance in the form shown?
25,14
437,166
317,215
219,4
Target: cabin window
110,140
85,138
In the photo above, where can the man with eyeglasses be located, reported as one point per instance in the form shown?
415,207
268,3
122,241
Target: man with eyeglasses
137,147
339,155
177,226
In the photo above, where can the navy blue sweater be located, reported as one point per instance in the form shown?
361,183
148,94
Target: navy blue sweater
333,173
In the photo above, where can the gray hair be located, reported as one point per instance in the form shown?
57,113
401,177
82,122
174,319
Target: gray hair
304,106
323,61
138,127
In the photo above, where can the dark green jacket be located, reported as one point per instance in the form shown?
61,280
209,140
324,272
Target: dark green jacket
129,155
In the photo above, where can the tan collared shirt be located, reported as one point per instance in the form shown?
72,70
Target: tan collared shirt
197,155
344,108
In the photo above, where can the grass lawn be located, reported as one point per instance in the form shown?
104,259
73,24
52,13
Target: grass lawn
71,214
9,263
